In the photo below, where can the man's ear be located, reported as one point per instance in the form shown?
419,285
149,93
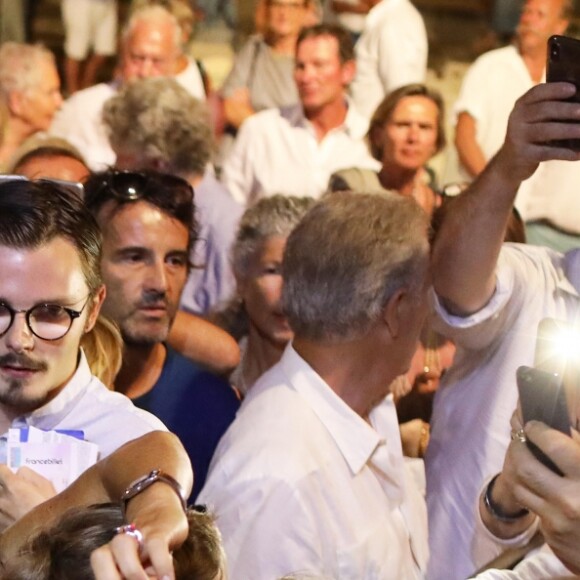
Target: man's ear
393,313
348,72
97,302
16,103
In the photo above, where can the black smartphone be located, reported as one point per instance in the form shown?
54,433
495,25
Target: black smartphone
543,398
563,65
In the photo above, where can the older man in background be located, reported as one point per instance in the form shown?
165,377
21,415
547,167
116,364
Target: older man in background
150,46
29,95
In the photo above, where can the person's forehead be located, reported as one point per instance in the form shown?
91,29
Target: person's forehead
323,46
146,34
416,105
50,272
54,167
141,224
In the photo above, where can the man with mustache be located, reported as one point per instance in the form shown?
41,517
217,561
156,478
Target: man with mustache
547,201
148,230
50,296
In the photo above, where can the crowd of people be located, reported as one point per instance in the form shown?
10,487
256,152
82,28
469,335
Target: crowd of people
294,347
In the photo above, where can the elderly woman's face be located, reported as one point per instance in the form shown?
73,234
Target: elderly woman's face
39,104
261,291
410,135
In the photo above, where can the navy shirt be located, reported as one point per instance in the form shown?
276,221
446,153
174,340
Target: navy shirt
194,404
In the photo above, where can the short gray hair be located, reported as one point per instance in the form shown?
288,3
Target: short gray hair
271,216
159,120
19,70
347,258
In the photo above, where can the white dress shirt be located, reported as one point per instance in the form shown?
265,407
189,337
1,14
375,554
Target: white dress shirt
302,484
277,151
391,52
79,121
470,426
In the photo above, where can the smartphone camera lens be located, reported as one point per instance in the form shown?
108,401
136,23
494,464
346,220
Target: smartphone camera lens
555,50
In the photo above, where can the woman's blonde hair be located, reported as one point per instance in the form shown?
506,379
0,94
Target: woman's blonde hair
103,347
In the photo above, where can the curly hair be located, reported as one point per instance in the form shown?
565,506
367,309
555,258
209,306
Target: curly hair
157,119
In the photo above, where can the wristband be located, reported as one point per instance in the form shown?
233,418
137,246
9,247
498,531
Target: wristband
141,484
496,511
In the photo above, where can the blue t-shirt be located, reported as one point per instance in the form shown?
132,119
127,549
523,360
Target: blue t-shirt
194,404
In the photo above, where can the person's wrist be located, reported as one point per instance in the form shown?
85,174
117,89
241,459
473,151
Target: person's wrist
506,510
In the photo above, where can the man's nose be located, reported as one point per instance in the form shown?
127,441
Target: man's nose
19,337
157,278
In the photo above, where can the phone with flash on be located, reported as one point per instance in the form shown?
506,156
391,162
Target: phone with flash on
543,398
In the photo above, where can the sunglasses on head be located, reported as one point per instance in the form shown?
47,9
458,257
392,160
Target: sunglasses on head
129,186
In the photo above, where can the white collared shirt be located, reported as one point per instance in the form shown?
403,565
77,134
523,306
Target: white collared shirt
107,418
302,484
277,151
470,425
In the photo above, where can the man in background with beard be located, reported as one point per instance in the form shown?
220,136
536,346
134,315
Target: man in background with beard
148,230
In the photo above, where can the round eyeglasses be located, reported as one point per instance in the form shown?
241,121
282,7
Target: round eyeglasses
45,321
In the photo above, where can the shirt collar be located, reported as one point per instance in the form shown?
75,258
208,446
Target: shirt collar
355,125
354,437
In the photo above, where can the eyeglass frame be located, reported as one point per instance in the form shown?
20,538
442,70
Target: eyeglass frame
73,315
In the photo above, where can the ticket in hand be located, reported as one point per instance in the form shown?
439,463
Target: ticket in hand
59,456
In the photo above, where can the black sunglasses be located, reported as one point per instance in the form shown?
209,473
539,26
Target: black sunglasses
134,185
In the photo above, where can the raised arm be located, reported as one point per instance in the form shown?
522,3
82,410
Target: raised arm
467,246
156,512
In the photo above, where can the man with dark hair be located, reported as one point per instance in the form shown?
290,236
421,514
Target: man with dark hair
155,123
50,296
148,230
310,478
296,149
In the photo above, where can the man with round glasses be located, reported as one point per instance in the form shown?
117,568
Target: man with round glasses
50,296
